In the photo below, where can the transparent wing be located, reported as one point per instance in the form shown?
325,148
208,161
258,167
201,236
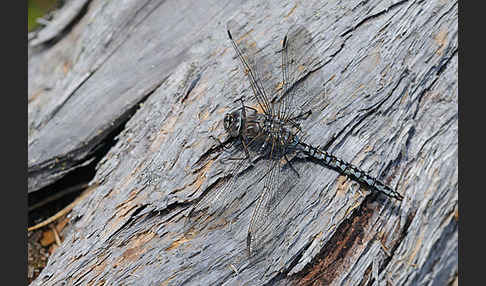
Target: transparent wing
215,201
298,60
277,182
257,67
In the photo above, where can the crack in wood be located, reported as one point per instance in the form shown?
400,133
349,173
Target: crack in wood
391,7
191,87
445,62
79,156
326,265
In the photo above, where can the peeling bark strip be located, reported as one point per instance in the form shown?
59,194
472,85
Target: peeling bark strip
66,17
385,100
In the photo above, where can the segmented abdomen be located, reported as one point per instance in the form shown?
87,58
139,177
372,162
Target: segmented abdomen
349,170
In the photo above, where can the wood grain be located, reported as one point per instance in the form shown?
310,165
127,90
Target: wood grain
384,97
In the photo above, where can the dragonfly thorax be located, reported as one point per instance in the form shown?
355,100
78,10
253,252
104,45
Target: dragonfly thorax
257,128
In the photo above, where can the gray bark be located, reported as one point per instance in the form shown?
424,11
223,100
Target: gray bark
384,96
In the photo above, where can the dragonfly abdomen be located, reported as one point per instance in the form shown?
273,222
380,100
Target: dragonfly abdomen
349,170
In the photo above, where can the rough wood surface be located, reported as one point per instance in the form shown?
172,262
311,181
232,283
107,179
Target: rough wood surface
384,97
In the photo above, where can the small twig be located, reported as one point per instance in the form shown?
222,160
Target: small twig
64,211
58,195
56,235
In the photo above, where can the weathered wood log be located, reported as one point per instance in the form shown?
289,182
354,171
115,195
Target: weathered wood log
384,97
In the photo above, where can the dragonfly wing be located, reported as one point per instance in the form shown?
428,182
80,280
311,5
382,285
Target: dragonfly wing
278,180
215,201
261,210
256,66
298,59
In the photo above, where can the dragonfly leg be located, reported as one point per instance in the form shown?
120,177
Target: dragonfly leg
302,115
247,154
244,107
220,144
291,166
245,148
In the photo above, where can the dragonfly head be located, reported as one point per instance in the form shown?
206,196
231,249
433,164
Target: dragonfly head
233,122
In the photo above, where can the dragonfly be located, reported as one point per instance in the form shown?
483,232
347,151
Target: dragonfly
264,139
